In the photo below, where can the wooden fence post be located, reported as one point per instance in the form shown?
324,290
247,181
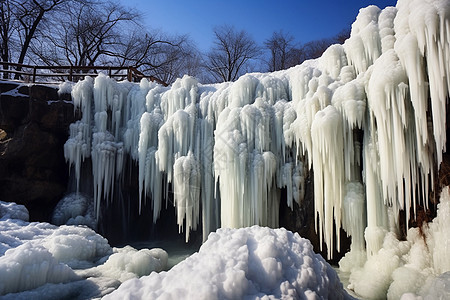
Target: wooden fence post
129,74
34,74
70,73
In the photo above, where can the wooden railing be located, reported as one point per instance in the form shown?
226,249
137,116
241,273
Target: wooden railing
30,73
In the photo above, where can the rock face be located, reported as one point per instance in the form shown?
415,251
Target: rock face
34,122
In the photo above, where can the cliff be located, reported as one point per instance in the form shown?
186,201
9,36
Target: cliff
34,122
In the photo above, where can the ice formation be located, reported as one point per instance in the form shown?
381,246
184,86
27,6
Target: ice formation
233,146
246,263
369,117
407,267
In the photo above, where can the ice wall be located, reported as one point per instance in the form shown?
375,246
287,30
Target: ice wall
368,116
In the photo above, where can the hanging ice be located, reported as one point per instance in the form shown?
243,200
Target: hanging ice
368,116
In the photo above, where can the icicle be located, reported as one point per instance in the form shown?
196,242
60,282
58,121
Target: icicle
241,142
327,153
182,94
186,189
363,47
148,139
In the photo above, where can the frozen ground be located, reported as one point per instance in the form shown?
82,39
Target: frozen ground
44,261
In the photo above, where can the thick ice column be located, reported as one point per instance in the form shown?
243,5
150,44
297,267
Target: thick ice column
210,206
376,210
272,89
174,140
333,60
350,100
77,147
148,139
230,167
107,157
243,91
186,190
135,105
327,155
354,222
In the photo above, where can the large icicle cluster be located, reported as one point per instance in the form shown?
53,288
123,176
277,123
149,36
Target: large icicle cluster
368,116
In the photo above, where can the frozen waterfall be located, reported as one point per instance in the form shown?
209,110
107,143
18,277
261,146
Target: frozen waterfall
369,117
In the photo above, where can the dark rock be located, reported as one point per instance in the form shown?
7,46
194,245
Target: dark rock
8,86
33,130
23,90
13,111
43,93
55,116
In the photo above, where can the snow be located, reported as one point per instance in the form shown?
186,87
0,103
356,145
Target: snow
11,210
27,267
43,261
65,87
15,91
126,263
247,263
75,209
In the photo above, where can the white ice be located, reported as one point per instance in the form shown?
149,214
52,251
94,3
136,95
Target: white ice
408,267
369,117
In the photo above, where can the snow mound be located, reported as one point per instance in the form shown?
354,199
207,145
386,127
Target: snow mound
44,261
29,266
127,263
11,210
75,209
244,263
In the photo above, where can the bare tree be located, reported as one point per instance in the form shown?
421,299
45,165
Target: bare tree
30,14
7,25
315,49
176,59
341,36
83,34
165,57
105,33
280,45
231,52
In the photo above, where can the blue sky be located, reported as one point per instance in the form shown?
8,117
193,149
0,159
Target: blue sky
305,20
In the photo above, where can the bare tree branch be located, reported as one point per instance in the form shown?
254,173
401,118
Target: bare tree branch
231,52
